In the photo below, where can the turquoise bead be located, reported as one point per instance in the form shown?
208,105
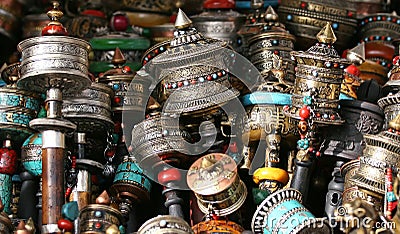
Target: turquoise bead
6,191
70,211
121,229
130,172
390,196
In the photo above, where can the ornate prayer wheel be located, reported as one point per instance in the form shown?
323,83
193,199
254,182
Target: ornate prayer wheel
216,183
319,75
305,18
97,218
90,110
217,226
8,166
165,224
57,64
283,210
130,185
382,152
219,21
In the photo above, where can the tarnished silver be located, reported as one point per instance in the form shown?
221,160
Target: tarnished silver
50,228
90,110
390,107
103,214
165,224
58,62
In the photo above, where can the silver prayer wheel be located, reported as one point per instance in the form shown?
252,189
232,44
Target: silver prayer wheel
90,109
54,61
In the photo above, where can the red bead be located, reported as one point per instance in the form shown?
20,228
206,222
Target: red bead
303,5
193,81
383,17
371,38
94,13
276,52
169,86
98,225
253,20
169,175
311,149
350,14
8,161
180,84
127,69
333,117
286,108
65,225
353,70
219,74
304,112
149,56
318,154
396,60
374,18
209,77
117,100
110,153
233,147
394,20
156,51
335,65
119,22
144,62
54,30
219,4
318,115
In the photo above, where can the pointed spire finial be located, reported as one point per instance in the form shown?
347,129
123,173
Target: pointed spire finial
326,35
182,20
118,58
357,54
270,14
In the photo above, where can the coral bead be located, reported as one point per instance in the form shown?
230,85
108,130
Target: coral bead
352,69
304,112
169,175
64,224
55,30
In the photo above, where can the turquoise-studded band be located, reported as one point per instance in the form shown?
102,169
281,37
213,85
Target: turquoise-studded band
34,167
6,191
15,117
286,217
256,98
15,100
129,172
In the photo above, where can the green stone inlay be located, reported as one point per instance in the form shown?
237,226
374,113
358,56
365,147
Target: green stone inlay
122,43
98,67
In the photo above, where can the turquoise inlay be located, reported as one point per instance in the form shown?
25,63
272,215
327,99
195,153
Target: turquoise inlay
20,118
129,171
343,96
291,222
6,191
2,83
14,100
34,139
33,167
70,210
247,4
266,98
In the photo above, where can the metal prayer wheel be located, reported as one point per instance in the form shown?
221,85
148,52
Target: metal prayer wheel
31,154
390,107
161,33
165,224
96,219
305,18
219,21
57,64
217,226
215,181
270,45
319,75
48,61
346,141
282,212
196,88
90,109
130,183
379,27
382,152
129,94
157,137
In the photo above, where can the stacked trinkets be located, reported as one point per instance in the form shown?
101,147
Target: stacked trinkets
315,100
57,64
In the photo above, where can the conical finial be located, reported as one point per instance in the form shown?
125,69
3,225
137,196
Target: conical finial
182,21
30,225
118,58
326,35
270,14
357,54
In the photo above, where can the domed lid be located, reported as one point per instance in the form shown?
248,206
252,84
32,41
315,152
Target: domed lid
212,174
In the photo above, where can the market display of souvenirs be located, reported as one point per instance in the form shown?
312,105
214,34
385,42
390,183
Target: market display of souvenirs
241,117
